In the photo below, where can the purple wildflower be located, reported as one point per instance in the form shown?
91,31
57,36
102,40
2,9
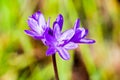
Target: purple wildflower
80,33
56,40
59,20
37,25
59,42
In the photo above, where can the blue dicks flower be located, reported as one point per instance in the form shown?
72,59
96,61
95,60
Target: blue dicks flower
55,39
59,42
80,34
37,25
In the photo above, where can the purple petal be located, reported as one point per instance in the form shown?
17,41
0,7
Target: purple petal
37,22
56,31
33,34
67,35
77,24
50,51
36,15
32,24
70,46
49,31
41,21
38,37
63,53
30,33
87,41
77,35
59,20
48,22
80,33
50,40
84,32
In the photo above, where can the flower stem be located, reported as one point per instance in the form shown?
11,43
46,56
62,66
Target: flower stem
55,67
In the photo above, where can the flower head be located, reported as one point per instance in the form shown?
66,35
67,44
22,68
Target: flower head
59,41
55,39
37,25
80,34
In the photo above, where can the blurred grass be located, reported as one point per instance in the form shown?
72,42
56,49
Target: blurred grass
23,58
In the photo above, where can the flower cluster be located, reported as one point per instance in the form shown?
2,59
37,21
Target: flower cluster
54,38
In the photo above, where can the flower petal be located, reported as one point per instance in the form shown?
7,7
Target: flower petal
38,37
67,35
37,22
50,51
84,32
77,24
36,15
48,22
30,33
32,24
77,36
71,45
59,20
63,53
56,31
50,40
41,21
33,34
87,41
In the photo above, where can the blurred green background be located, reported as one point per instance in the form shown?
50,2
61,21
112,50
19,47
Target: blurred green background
23,58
